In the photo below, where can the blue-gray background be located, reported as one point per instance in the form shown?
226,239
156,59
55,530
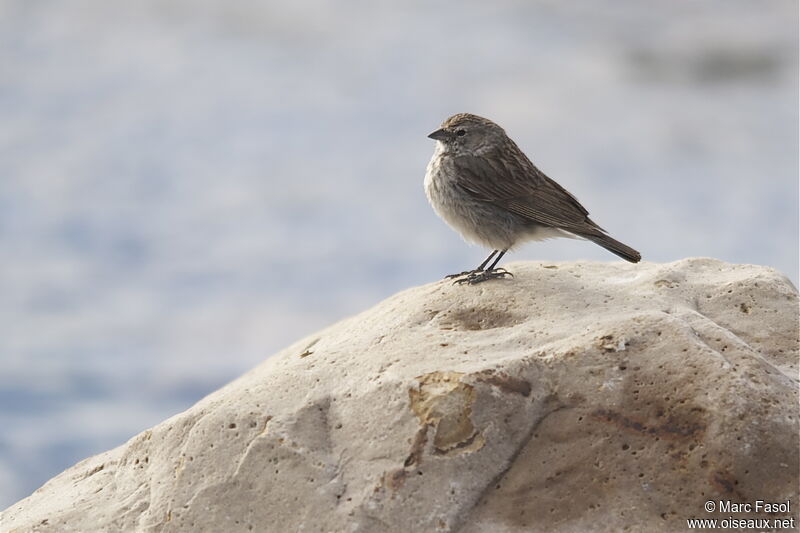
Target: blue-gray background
188,185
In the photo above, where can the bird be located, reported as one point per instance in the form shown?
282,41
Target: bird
484,187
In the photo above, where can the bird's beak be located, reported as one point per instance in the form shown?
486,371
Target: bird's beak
439,135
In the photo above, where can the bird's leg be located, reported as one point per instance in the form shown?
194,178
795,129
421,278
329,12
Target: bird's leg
485,275
491,268
479,269
483,265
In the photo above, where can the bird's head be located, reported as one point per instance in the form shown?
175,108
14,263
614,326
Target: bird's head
467,133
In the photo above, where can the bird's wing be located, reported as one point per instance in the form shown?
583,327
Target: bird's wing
515,184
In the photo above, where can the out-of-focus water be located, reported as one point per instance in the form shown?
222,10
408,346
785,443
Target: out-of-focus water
186,186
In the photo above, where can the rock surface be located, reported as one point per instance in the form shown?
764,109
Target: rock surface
573,397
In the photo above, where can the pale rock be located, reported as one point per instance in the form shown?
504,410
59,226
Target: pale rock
572,397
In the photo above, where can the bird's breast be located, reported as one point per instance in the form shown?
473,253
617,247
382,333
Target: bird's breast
441,184
476,221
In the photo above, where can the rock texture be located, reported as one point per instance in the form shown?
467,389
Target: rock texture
573,397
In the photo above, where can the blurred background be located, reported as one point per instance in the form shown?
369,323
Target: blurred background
186,186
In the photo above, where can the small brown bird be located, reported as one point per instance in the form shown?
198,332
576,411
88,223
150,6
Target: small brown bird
484,187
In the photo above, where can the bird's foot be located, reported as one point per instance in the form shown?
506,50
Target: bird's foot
465,273
479,276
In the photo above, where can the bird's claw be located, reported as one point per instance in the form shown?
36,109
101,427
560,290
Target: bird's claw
479,276
465,273
473,272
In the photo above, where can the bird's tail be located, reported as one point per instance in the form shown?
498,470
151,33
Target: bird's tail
614,246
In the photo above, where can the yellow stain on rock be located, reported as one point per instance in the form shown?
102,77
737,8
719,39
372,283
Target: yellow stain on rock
444,402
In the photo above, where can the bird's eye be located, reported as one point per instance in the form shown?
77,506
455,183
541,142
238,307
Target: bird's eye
461,133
